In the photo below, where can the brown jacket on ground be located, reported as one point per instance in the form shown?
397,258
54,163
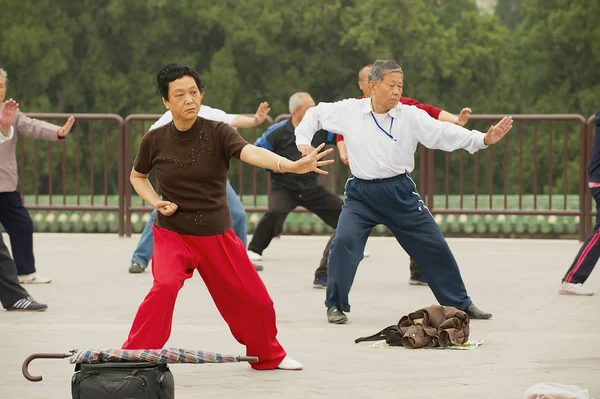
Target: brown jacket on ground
434,326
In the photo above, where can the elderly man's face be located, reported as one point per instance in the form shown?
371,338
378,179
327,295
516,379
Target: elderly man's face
184,99
2,88
389,90
363,81
300,112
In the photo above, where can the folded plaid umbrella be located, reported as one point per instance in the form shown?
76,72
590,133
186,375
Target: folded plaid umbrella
171,355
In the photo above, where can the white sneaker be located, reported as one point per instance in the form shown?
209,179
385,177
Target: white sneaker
254,256
574,289
289,364
366,254
33,278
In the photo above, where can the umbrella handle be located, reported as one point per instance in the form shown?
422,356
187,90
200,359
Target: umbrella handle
248,359
38,378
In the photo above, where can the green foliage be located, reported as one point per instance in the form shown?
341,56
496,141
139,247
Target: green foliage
509,12
557,50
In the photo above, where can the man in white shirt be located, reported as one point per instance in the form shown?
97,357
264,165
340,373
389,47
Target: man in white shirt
214,114
143,252
382,136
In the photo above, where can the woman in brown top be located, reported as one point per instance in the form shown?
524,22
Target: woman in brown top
193,231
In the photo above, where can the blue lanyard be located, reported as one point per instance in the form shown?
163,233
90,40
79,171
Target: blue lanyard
382,129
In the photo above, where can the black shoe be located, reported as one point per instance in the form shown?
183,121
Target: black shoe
27,305
259,268
417,279
475,313
336,316
320,282
136,267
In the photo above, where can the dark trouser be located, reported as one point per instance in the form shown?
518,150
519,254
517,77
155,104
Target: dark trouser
395,203
589,253
319,201
280,223
322,269
19,226
10,289
414,270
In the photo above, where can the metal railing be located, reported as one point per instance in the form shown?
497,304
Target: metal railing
87,180
519,153
535,159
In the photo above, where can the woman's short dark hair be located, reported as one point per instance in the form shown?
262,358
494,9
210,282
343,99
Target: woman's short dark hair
173,72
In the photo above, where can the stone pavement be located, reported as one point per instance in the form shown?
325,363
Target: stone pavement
536,335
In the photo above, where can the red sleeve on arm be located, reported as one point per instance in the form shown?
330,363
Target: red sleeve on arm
430,109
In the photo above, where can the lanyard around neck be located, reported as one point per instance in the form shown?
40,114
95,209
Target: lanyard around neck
382,129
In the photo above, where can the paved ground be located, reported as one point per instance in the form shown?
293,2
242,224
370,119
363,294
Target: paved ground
535,335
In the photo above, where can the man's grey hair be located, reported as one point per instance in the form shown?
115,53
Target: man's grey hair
297,100
381,68
4,74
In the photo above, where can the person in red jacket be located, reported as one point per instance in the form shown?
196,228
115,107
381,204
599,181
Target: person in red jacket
416,278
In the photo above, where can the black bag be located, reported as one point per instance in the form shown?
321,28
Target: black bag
122,381
391,334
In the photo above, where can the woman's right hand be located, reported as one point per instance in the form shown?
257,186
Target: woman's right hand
166,208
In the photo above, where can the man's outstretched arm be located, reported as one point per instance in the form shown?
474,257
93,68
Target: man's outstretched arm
243,121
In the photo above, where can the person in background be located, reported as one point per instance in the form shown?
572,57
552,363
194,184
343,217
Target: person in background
13,215
589,253
13,296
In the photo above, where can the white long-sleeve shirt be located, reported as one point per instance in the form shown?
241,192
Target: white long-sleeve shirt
205,112
4,138
373,154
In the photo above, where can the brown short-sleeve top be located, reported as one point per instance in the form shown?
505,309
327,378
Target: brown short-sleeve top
191,170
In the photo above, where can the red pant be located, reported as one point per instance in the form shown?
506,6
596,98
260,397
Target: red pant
233,283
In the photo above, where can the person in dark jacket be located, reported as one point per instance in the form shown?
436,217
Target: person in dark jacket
292,190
